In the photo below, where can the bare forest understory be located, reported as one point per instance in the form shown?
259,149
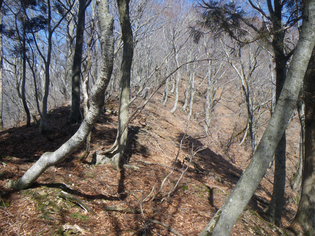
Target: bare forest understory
150,195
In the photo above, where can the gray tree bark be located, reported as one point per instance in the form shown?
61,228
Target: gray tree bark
165,93
188,82
252,176
177,80
212,79
23,95
1,71
75,114
277,202
297,179
306,215
69,57
85,87
42,126
192,90
245,73
115,154
105,22
166,89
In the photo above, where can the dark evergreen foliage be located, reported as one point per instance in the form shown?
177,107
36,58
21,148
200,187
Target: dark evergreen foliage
230,18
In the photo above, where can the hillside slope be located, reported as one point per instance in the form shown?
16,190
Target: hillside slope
153,195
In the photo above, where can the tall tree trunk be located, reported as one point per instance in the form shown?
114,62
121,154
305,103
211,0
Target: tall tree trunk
69,57
166,89
188,83
296,181
177,80
165,93
232,208
85,87
192,90
42,126
277,202
1,71
23,96
75,114
115,154
105,22
209,99
306,211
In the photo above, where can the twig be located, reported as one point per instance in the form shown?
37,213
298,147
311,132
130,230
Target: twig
150,163
158,145
149,195
162,184
168,227
121,209
179,179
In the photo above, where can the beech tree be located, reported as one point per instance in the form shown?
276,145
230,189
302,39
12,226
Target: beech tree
115,153
70,45
222,223
245,62
75,114
105,25
304,222
215,71
1,71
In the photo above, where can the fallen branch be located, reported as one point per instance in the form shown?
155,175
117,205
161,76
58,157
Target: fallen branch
76,200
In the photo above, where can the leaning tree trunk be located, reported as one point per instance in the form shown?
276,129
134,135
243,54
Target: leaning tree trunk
306,214
75,114
232,208
105,21
115,154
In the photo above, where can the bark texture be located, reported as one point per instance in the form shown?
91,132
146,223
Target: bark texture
115,154
177,80
1,70
277,202
23,95
306,212
75,114
252,176
48,159
47,61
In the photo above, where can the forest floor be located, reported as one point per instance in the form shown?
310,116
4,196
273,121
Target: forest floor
150,196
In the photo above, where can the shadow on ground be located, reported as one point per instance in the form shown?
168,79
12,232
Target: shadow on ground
215,163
